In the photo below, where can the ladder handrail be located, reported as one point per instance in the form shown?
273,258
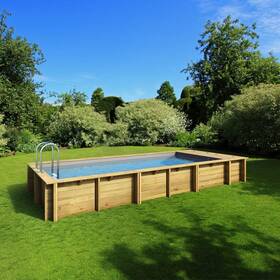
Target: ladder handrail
53,145
37,150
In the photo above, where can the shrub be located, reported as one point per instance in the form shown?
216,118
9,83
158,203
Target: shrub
185,139
22,140
251,120
205,135
78,127
150,121
117,134
3,140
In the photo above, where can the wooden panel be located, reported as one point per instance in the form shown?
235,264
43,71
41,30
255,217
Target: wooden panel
180,180
75,197
211,174
153,184
117,190
37,189
235,171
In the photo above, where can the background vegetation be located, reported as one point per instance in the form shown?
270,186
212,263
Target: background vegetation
233,101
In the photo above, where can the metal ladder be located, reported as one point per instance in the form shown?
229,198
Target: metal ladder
39,163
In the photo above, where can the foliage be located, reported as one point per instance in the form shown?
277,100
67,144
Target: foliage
166,93
18,57
117,134
71,98
251,120
150,121
19,104
78,127
230,62
18,64
96,97
185,139
193,104
108,105
200,136
3,139
205,135
22,140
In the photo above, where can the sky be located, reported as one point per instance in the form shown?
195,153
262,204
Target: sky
128,47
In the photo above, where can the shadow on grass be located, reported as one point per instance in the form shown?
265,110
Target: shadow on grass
263,177
198,252
22,201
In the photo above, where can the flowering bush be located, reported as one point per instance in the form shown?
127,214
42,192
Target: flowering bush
150,121
251,120
78,127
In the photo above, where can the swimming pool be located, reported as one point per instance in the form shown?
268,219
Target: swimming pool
99,183
119,164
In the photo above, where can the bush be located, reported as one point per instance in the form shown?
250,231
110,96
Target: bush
251,120
117,134
22,140
150,121
205,135
78,127
3,140
185,139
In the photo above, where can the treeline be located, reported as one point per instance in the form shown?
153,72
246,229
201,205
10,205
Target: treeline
233,101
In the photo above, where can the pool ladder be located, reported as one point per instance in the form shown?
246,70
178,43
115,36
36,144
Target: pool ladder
39,163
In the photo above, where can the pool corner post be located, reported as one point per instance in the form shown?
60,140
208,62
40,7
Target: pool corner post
195,178
168,183
138,188
243,171
97,194
227,175
55,217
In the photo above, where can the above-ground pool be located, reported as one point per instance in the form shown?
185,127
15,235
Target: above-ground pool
125,163
98,183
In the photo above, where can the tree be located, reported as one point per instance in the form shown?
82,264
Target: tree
96,97
166,93
19,59
194,105
71,98
230,60
3,140
108,105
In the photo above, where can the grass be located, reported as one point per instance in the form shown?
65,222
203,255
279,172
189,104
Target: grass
227,232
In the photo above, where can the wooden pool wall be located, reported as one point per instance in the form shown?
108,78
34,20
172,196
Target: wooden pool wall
64,197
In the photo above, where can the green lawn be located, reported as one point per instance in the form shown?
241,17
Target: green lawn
228,232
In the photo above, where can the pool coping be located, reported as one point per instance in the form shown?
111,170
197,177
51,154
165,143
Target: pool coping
219,158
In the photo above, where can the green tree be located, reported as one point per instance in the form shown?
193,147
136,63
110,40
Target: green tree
3,140
166,93
108,105
96,97
194,104
71,98
230,60
19,59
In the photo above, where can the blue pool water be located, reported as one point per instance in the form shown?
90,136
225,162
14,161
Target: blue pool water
111,165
